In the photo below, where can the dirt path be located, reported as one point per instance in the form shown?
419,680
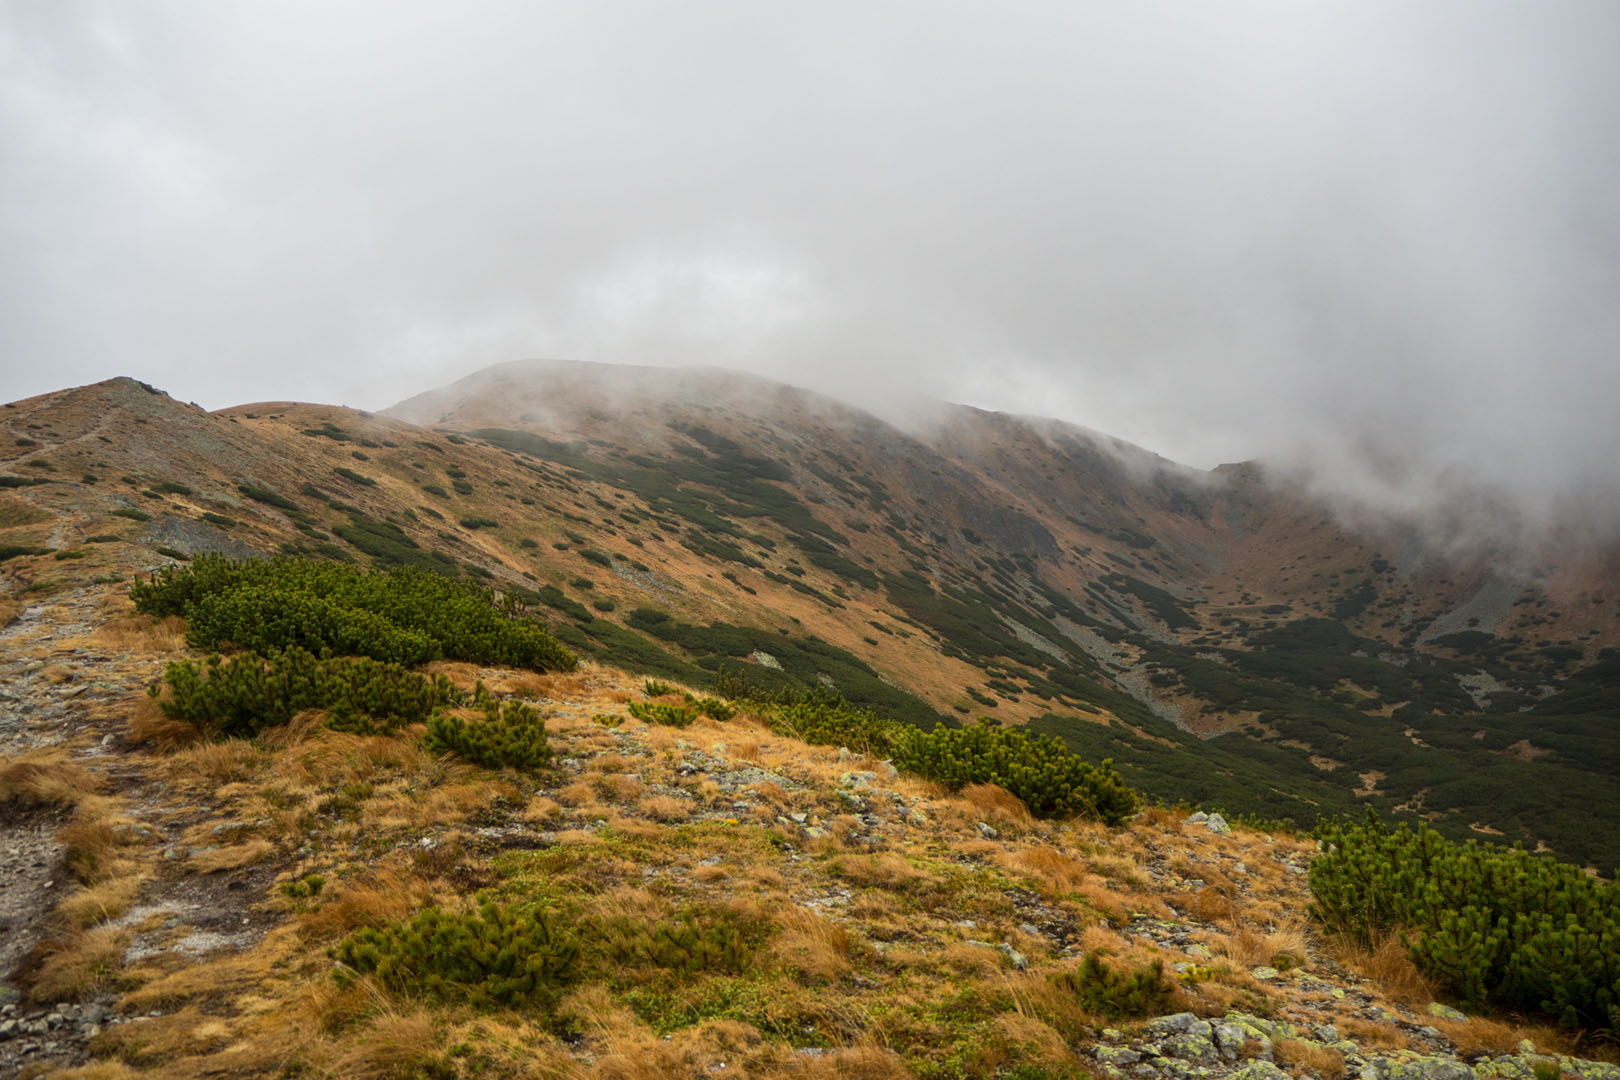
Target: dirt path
62,690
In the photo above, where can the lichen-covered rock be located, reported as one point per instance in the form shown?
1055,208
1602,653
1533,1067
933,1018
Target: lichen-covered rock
1173,1024
1259,1070
1229,1040
1195,1047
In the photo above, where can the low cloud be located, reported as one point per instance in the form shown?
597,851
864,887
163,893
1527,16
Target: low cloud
1376,241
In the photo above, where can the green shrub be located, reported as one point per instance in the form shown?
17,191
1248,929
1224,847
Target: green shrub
266,496
653,712
1492,926
823,718
498,956
132,513
713,708
479,523
511,735
303,888
692,943
173,553
219,519
350,474
1037,768
12,551
23,481
169,487
601,558
1105,992
405,616
655,688
244,695
76,553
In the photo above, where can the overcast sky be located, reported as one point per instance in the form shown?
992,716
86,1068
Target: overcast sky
1380,236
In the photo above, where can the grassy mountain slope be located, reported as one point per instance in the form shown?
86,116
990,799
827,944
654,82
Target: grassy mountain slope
695,525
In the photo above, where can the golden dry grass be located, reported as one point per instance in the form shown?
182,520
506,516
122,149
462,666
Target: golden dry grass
809,945
392,1046
93,904
374,899
1054,870
45,778
68,967
232,857
1303,1058
150,726
1388,967
142,634
99,1070
666,808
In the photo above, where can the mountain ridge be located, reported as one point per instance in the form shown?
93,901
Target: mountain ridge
1197,626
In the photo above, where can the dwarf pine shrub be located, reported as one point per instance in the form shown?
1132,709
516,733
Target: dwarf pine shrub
822,718
656,712
1493,926
691,943
1038,769
497,956
405,616
1105,992
242,696
511,735
713,708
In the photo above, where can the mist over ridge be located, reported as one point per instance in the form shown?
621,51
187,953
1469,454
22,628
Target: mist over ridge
1368,241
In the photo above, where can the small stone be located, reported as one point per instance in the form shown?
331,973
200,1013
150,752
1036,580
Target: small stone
1030,928
1445,1012
1197,819
1325,1033
986,831
1265,974
799,818
1014,957
1217,824
814,832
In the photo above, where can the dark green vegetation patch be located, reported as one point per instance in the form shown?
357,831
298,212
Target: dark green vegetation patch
406,616
1037,768
510,735
247,693
1494,927
497,956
